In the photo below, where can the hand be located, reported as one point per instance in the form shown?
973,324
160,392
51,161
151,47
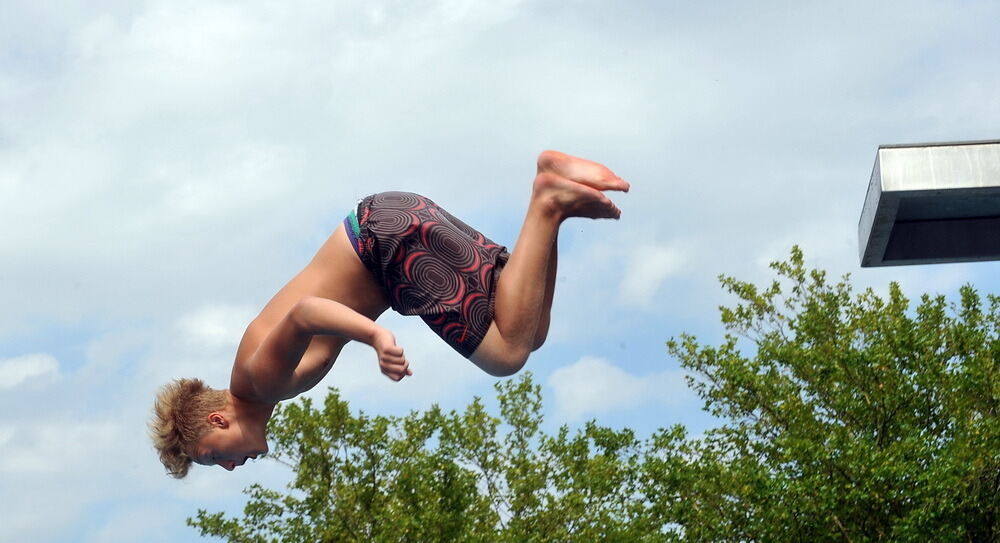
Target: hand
390,356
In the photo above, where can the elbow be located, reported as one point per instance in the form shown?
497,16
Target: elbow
301,314
307,301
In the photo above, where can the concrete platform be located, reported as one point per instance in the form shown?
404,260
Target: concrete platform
932,203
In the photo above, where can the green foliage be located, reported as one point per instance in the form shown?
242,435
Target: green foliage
434,476
858,418
853,417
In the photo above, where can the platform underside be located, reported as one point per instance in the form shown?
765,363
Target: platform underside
932,203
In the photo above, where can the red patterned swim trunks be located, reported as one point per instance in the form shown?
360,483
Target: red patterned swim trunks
430,264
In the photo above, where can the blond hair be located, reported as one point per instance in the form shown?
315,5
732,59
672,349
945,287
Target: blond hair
180,420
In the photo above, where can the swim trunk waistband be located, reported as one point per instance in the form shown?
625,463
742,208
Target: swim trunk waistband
353,229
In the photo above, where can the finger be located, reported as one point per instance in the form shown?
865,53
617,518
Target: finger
396,363
392,366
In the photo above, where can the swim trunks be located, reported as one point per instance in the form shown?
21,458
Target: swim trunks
430,264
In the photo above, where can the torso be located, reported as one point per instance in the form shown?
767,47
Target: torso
335,273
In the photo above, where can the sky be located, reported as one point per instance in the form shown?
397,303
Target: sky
166,165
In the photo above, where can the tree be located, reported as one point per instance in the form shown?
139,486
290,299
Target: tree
435,476
843,417
858,418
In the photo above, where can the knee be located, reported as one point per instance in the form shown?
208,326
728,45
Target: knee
508,363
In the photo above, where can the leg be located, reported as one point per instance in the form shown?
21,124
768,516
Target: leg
564,187
550,289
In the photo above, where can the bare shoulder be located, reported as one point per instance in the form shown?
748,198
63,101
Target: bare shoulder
241,380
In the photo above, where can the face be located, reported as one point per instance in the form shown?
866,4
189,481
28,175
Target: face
225,445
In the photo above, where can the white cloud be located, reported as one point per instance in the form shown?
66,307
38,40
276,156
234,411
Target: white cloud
201,343
55,466
593,386
648,266
55,447
215,326
14,371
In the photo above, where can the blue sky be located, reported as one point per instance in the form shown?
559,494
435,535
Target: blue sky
165,166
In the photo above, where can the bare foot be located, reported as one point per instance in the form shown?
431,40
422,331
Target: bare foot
566,198
583,171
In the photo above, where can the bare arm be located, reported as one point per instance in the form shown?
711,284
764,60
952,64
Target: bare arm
280,367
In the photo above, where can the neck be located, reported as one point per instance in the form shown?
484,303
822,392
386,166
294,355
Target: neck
253,417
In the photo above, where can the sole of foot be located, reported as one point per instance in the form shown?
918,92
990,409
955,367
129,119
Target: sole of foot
569,198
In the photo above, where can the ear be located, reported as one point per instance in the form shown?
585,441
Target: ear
218,420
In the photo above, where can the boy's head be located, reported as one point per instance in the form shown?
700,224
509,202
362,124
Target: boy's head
182,416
